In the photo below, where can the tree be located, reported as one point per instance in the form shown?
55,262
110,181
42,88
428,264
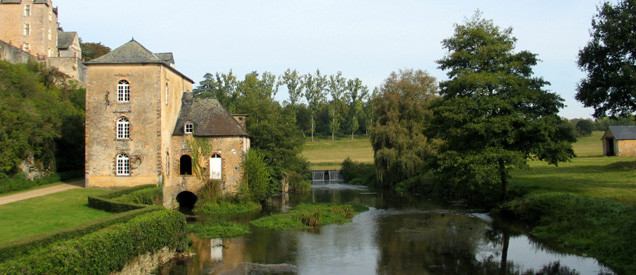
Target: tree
610,62
336,87
494,115
92,50
314,87
584,127
355,93
221,86
401,110
293,82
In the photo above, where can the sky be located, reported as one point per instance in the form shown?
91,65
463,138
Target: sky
367,39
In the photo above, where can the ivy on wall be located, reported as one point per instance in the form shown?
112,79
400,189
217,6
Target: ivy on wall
197,147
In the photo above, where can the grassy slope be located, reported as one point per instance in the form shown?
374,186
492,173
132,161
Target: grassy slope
589,174
47,213
328,154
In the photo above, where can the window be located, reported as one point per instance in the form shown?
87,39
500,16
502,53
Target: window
123,128
27,29
27,10
50,34
123,165
123,91
188,128
167,94
25,47
216,166
50,15
185,165
167,163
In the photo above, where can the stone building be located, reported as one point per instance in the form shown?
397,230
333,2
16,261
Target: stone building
144,127
31,26
619,141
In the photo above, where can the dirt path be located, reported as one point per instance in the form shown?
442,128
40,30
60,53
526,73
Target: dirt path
42,191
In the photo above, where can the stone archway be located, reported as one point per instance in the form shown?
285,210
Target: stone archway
186,200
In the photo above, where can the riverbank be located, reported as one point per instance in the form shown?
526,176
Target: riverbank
586,206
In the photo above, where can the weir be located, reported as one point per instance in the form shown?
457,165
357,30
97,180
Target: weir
327,177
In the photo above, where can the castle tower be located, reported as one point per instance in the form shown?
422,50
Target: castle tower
30,25
133,98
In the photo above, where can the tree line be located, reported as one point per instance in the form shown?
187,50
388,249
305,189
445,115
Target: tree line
321,105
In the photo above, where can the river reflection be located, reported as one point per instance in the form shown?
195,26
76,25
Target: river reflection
396,236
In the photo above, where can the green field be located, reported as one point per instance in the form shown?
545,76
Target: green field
590,174
327,154
30,217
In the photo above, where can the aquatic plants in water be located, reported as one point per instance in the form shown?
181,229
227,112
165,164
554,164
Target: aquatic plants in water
219,229
226,207
307,216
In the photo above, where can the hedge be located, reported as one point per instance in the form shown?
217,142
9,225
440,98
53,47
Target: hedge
106,250
20,182
105,201
18,248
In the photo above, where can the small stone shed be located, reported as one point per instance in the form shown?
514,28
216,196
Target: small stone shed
620,141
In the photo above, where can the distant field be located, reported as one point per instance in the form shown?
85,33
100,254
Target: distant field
26,218
328,154
590,174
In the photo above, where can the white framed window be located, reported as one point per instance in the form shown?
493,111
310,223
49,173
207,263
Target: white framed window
188,128
123,128
216,167
25,47
50,15
50,34
27,10
123,91
27,29
123,165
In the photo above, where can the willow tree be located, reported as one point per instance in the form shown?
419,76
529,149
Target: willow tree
495,114
401,110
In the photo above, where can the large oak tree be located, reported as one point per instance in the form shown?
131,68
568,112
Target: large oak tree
610,62
494,114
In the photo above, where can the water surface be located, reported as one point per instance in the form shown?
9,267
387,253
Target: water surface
396,236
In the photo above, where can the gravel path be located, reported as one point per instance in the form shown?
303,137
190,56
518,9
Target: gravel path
42,191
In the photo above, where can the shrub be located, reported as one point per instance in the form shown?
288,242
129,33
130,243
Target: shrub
218,230
107,250
358,173
297,183
226,207
146,196
257,176
20,182
21,247
108,202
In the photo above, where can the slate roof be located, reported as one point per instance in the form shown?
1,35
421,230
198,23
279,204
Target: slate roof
622,132
135,53
209,118
166,57
10,1
65,39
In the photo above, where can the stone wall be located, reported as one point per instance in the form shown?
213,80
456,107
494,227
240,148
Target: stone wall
70,66
42,21
13,54
103,110
232,151
626,148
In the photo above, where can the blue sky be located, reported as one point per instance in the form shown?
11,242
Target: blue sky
362,38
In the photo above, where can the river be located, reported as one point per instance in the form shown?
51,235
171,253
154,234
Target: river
396,236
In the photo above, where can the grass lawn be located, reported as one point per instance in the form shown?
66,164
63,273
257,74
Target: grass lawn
589,174
30,217
327,154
